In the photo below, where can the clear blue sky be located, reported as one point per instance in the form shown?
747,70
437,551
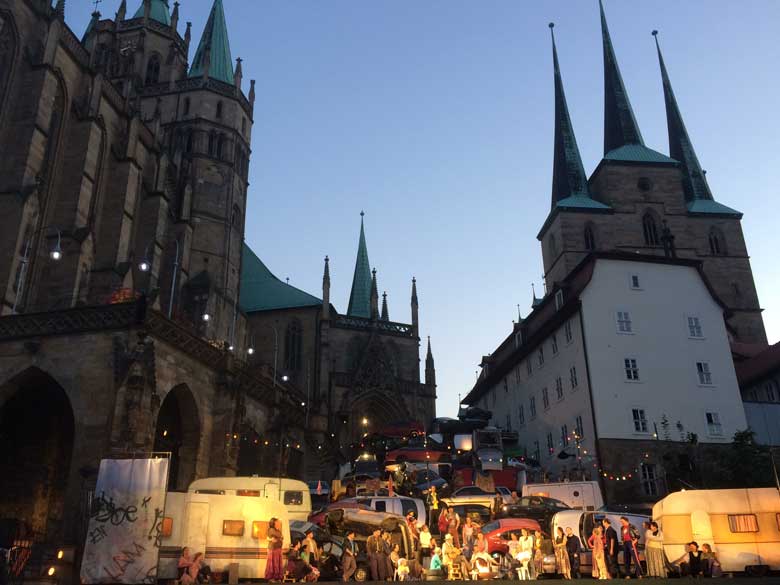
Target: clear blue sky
436,117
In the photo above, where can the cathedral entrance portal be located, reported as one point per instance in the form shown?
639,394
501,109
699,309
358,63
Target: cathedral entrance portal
36,435
178,432
370,414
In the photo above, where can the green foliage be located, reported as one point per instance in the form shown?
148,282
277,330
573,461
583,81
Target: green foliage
746,464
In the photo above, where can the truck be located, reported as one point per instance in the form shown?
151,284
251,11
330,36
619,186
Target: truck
579,495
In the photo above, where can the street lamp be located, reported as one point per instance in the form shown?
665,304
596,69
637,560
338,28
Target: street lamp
206,317
55,254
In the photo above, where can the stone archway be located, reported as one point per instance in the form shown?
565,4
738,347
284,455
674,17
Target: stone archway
178,431
37,430
371,411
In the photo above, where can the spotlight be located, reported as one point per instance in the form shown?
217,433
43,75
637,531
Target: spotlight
285,378
144,266
206,316
251,350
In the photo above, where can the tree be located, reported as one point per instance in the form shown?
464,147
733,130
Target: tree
747,464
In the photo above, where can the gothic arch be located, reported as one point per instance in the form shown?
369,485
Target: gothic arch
293,346
178,431
9,50
37,430
589,236
717,242
650,230
377,408
153,69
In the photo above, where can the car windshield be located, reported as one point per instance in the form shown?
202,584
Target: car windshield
490,527
426,476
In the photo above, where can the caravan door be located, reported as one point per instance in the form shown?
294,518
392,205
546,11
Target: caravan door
196,525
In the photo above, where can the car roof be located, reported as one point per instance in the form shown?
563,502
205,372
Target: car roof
510,523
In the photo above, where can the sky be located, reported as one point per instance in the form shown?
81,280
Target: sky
435,117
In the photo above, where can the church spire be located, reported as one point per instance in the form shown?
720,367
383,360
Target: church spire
91,26
415,308
326,290
680,145
360,296
122,11
374,296
430,368
385,313
569,179
215,43
158,11
620,127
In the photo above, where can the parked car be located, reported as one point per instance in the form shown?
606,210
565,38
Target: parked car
319,516
540,509
470,494
478,513
399,505
498,532
578,495
422,480
299,528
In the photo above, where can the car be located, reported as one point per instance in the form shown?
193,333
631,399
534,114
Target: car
470,494
422,480
319,516
478,513
498,532
539,508
506,493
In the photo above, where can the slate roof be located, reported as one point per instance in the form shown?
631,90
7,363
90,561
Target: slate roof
711,207
757,368
638,153
360,295
215,37
262,291
160,12
579,202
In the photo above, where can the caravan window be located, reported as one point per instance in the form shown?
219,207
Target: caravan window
743,523
249,493
293,498
380,506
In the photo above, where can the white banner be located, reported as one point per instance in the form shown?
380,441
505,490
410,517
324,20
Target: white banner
123,539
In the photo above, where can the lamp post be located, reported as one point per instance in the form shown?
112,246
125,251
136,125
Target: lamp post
145,265
55,254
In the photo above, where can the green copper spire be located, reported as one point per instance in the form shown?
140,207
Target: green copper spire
215,43
91,26
620,127
160,12
697,191
360,297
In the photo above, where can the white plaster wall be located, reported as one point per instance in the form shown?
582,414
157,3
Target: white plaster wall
665,353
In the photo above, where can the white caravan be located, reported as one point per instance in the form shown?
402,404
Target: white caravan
742,525
578,495
294,494
228,529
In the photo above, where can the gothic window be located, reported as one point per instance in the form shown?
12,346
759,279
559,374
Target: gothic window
292,346
7,53
153,70
212,143
590,238
186,106
717,242
650,230
552,245
219,110
235,218
243,126
220,146
189,142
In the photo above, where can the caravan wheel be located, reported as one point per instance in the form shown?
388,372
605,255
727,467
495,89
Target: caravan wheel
361,574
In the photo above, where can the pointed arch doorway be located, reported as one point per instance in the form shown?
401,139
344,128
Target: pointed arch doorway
178,432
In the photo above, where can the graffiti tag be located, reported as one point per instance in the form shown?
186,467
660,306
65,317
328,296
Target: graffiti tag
105,510
155,532
123,560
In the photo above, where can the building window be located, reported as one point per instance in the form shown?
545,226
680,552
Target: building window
508,422
293,343
550,444
640,422
573,377
713,424
521,415
186,106
529,367
649,483
243,126
650,230
558,300
590,238
188,144
506,386
578,428
632,370
743,523
567,331
771,392
703,370
559,388
694,327
555,344
219,110
545,398
532,406
717,242
552,245
153,70
541,356
212,143
537,453
517,375
624,322
635,282
565,435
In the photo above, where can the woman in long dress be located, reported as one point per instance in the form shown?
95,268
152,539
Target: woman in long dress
596,543
274,569
561,554
538,553
654,551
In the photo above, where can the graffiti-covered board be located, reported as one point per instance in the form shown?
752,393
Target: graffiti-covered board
123,539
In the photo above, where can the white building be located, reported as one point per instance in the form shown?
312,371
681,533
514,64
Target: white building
623,361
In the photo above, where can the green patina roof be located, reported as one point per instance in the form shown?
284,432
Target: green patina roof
580,202
91,26
262,291
215,37
638,153
160,12
710,206
360,296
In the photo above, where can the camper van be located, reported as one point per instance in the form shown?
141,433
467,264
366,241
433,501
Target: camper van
742,526
579,495
228,529
582,523
295,494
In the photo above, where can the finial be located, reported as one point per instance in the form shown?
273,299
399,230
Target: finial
362,213
551,25
654,33
327,259
373,272
533,289
287,279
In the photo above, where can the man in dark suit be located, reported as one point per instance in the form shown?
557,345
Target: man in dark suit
375,549
573,548
611,549
348,562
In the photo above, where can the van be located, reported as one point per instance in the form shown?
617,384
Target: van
582,523
228,529
294,494
742,526
578,495
399,505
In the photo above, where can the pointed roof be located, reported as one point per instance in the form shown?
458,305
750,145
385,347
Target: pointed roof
620,127
260,290
429,355
697,191
570,184
360,296
215,38
160,12
91,26
385,313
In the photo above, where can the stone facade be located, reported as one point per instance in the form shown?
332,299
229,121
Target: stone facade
135,175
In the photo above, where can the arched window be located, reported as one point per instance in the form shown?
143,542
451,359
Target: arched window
650,230
235,217
219,110
220,146
186,106
552,245
189,142
590,238
717,242
292,346
212,143
153,70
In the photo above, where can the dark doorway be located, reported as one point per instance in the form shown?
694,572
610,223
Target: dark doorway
178,432
36,439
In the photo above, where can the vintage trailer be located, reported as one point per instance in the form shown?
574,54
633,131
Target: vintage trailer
742,526
295,494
